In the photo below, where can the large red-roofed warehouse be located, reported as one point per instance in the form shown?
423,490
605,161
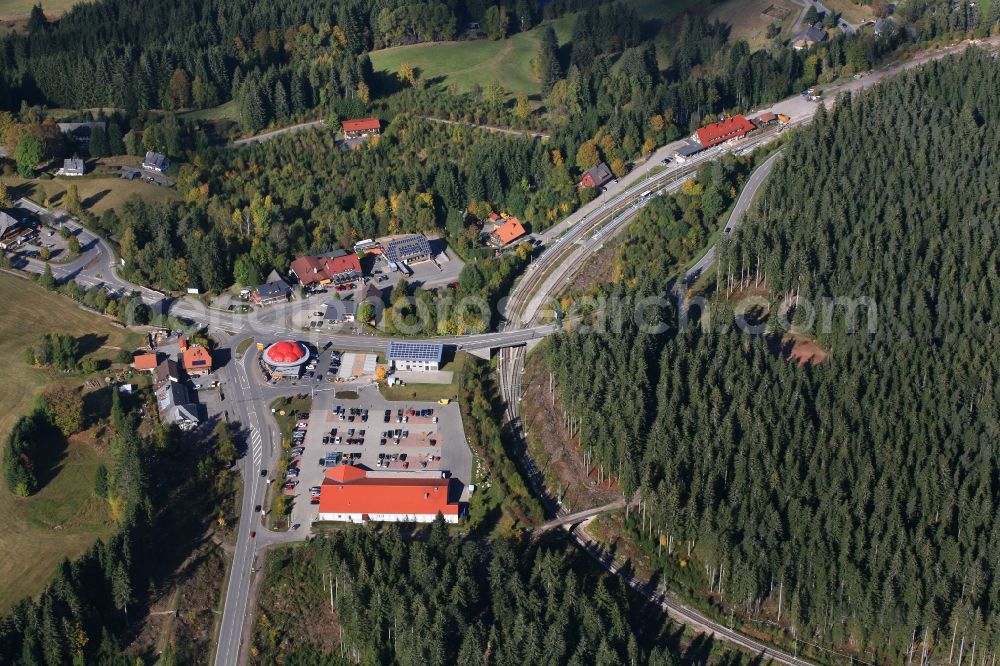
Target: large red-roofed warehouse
349,494
724,130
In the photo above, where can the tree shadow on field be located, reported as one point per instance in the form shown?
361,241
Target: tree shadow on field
88,343
96,405
94,198
49,450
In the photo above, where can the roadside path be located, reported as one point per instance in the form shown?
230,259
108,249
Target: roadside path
488,128
266,136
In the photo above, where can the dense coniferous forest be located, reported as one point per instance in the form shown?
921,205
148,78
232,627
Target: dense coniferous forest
861,491
426,599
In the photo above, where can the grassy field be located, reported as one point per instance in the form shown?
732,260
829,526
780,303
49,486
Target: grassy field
65,517
478,62
854,13
12,8
225,111
749,22
98,193
661,10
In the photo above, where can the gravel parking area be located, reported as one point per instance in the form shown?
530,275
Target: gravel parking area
421,447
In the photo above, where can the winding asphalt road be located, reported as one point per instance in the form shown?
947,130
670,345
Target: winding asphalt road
746,197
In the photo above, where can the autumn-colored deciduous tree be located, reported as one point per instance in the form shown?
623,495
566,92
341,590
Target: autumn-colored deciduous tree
64,405
180,89
587,156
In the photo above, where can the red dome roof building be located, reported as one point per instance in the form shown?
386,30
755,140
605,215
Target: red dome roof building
284,359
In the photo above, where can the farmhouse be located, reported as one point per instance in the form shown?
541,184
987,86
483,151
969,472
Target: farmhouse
351,494
197,360
337,269
736,127
410,249
362,127
506,232
418,356
156,162
809,38
72,167
596,176
275,290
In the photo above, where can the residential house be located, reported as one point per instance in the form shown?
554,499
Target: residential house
167,371
597,176
809,37
156,162
361,128
176,406
9,225
506,232
337,269
884,27
275,290
735,127
72,167
341,312
197,360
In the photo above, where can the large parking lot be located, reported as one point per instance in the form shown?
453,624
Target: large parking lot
419,438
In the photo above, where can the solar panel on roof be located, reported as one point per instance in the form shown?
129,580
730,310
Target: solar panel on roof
402,249
414,351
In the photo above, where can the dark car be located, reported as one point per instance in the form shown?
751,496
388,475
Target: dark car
263,472
252,534
256,509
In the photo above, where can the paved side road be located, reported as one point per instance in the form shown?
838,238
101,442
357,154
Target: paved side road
753,184
265,136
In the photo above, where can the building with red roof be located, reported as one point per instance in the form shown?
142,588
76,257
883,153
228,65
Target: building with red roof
144,362
350,494
197,360
362,127
507,232
284,359
736,127
324,270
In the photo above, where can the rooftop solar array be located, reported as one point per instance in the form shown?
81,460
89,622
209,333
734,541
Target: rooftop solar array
414,351
404,249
